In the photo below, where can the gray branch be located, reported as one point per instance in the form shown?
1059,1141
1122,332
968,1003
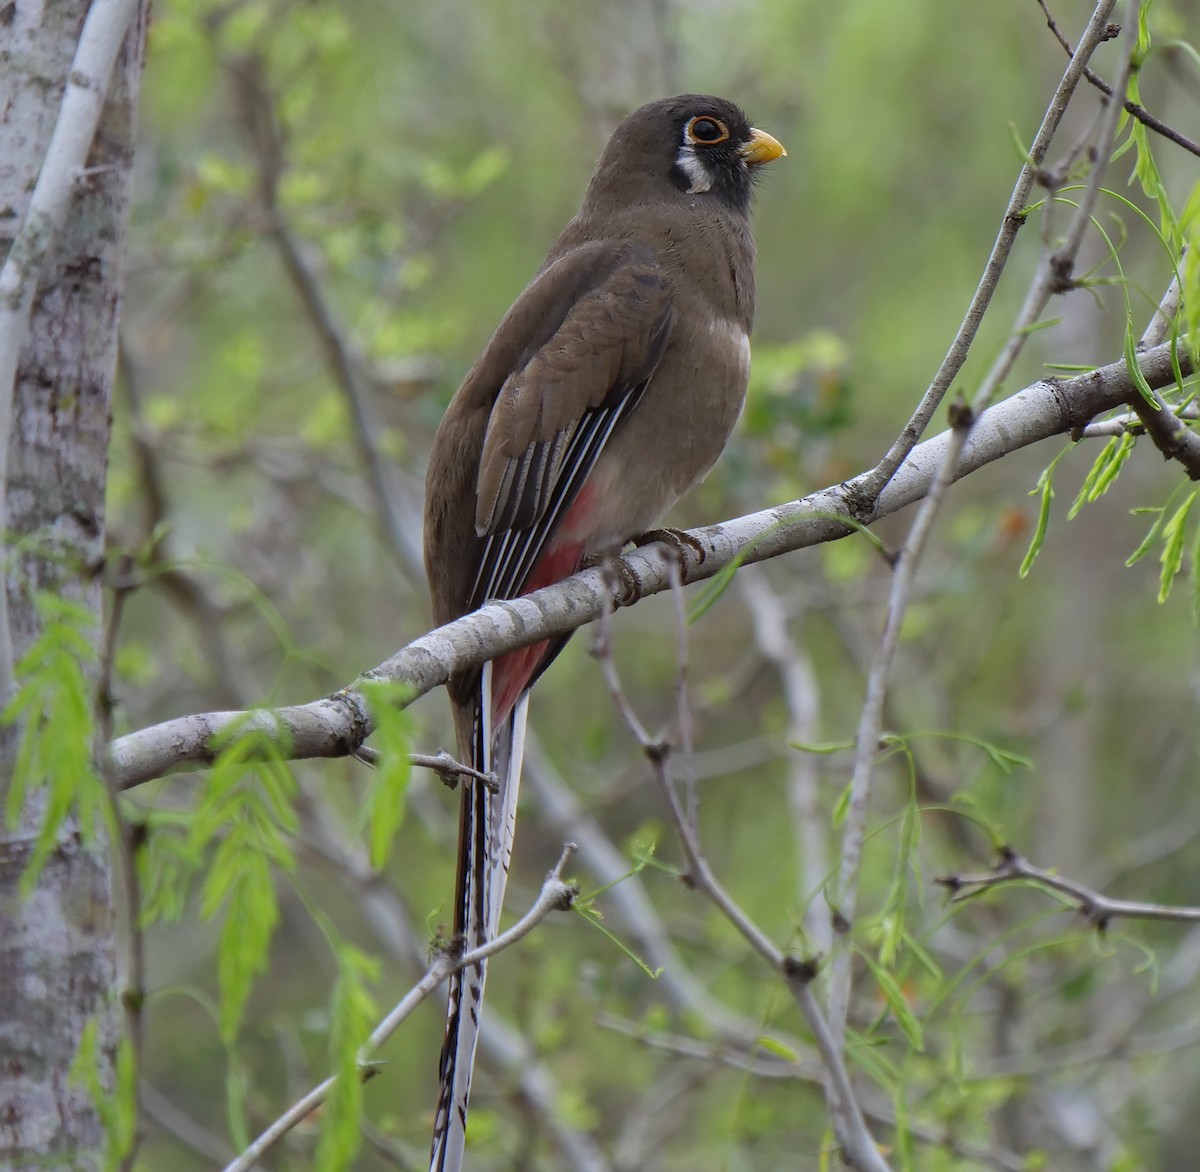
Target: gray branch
337,725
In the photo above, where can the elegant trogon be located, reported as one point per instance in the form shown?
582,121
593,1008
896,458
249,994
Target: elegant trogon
608,390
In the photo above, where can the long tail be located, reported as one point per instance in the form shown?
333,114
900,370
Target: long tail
487,823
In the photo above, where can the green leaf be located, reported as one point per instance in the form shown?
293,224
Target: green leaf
774,1046
385,801
821,748
53,706
351,1016
1151,535
247,811
242,886
897,1003
116,1107
1104,471
1171,558
1045,488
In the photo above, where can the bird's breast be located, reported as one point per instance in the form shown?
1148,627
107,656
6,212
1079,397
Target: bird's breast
666,445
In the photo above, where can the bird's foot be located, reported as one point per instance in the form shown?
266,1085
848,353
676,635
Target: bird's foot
678,540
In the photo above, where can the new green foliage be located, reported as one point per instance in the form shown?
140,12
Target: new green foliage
383,804
115,1105
351,1016
53,707
246,814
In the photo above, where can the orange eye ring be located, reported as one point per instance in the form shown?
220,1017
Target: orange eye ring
704,130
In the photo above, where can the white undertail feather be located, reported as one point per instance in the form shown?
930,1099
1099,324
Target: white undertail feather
485,851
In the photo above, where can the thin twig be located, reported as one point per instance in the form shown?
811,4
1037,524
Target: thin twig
858,1147
400,516
683,708
802,695
556,895
1053,275
446,766
626,899
1010,224
1095,907
501,1044
1130,424
761,1066
130,841
1139,112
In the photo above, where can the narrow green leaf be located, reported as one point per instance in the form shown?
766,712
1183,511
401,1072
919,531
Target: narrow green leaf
1196,578
386,799
1133,366
351,1015
821,748
52,706
115,1106
773,1046
1171,558
1045,487
897,1003
251,914
1151,535
593,917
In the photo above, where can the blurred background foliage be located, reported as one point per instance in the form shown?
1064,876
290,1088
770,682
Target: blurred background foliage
335,204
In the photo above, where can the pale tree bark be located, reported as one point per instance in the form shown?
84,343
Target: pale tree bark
57,955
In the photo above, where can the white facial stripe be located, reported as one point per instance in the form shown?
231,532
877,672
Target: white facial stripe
693,168
732,333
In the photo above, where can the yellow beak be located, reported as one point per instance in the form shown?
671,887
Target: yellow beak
762,148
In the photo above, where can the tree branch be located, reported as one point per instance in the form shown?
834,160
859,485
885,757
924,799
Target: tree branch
857,1144
83,100
1139,112
1010,224
1054,275
1096,908
337,725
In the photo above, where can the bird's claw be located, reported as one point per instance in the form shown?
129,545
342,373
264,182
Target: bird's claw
677,540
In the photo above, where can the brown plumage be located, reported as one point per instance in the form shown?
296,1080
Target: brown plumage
608,390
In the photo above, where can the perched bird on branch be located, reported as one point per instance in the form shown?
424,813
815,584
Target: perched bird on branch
608,391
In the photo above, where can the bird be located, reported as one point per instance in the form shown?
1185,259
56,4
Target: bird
608,390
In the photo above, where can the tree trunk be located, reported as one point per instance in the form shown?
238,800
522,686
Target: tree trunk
57,945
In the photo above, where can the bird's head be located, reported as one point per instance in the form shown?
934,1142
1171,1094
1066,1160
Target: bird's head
693,144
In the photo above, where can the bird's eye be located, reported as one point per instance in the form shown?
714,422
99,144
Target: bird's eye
707,131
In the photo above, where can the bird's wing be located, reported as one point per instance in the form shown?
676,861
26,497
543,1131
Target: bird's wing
561,401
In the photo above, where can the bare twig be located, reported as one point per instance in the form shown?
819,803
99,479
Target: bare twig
130,838
400,516
556,895
801,692
874,1107
858,1147
338,724
683,708
1139,112
1054,275
1096,908
626,897
870,727
1014,218
1165,313
1130,424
